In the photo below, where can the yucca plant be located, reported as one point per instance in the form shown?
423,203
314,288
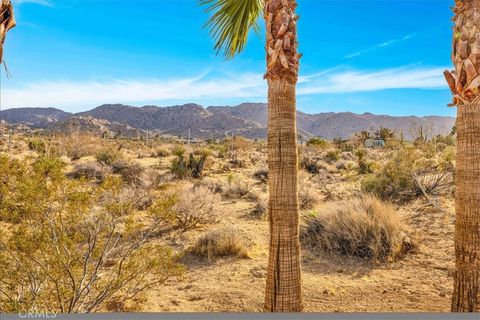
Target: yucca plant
230,23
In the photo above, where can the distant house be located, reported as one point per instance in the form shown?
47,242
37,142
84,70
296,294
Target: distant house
374,143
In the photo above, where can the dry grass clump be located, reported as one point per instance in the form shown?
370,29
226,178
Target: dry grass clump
260,210
221,243
90,171
196,206
236,188
307,197
161,153
365,228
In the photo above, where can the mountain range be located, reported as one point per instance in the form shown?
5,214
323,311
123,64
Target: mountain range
247,119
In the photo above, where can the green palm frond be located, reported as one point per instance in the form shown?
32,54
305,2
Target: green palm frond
231,22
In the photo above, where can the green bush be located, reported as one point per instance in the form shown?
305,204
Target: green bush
108,156
332,156
37,145
394,180
317,142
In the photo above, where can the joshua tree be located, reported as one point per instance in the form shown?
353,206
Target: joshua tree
230,24
464,83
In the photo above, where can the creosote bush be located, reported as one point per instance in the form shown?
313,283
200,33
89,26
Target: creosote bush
221,243
71,248
365,228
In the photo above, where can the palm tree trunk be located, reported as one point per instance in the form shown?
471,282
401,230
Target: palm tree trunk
465,86
466,293
283,289
283,292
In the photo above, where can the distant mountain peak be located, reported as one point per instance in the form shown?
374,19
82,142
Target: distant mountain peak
247,119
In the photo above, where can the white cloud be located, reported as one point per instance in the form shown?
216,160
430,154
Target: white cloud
409,77
381,45
92,93
45,3
68,94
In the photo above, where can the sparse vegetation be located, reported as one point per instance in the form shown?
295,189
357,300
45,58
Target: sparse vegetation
91,171
68,250
364,228
194,206
221,243
108,156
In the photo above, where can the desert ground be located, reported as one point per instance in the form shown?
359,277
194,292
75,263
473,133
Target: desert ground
217,226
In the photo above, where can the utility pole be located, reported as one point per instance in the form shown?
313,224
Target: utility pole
189,134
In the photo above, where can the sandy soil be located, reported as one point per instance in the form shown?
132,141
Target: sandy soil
420,282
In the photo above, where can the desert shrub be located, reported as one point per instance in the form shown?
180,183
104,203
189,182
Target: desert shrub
37,145
193,167
236,188
237,162
123,200
312,165
317,142
365,228
196,206
162,153
332,156
307,198
214,185
69,251
364,166
221,243
261,175
90,171
131,173
394,181
260,210
108,156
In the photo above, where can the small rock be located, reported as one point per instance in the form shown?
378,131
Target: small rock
258,272
442,294
384,291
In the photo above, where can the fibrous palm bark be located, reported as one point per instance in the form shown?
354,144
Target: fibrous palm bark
283,289
465,83
7,22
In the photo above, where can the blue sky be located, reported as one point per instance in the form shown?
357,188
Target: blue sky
378,56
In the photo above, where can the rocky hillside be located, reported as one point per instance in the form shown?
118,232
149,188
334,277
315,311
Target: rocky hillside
247,119
34,117
87,124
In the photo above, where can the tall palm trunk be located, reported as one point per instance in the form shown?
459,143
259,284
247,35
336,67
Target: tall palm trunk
283,288
465,83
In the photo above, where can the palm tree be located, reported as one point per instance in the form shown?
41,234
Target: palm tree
464,83
7,22
230,24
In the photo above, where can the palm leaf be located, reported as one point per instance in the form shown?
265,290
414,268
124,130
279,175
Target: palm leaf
231,22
